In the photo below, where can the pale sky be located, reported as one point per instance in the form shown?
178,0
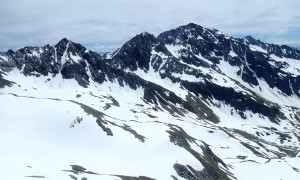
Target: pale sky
104,25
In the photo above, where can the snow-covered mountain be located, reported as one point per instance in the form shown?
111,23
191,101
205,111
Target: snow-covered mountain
191,103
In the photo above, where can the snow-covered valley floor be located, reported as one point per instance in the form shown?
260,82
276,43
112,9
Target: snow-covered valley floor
56,129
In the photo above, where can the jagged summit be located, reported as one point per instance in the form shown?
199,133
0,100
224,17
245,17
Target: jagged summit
250,38
188,31
142,39
63,41
145,34
190,26
136,52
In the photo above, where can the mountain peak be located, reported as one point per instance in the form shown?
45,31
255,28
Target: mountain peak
187,32
10,52
250,38
63,42
145,34
68,45
192,25
142,39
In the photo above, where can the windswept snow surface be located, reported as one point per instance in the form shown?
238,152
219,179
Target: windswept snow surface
233,54
3,58
293,65
257,48
40,133
175,49
39,129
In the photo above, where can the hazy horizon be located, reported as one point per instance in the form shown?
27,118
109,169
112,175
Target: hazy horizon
106,25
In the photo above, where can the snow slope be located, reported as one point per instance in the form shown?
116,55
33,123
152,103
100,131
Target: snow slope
41,136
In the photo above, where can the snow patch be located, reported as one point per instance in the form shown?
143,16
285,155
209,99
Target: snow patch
293,65
232,54
4,58
257,48
153,52
75,57
175,49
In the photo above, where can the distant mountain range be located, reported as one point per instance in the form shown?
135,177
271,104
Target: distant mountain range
191,103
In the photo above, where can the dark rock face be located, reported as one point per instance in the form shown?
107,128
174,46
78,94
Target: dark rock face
280,51
66,58
36,61
70,48
209,160
197,40
77,71
239,101
136,53
214,46
4,82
